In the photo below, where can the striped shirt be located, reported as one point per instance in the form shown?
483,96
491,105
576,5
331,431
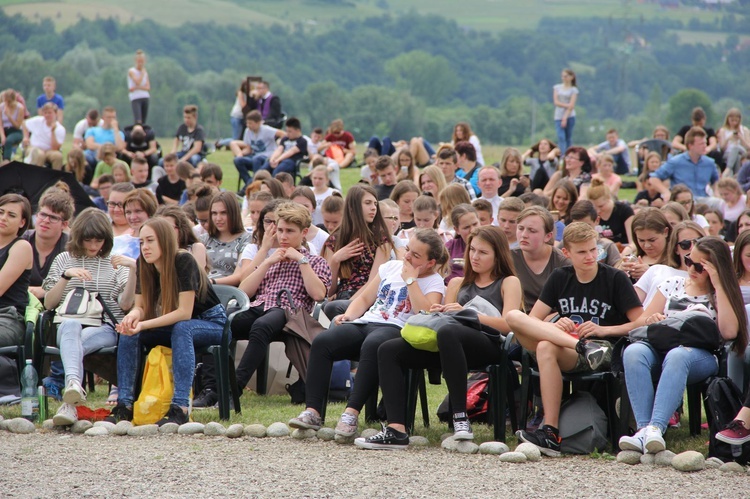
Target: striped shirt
107,281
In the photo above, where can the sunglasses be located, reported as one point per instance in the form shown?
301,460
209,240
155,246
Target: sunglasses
686,244
690,263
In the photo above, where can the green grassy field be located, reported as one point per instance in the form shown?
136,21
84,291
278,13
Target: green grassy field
487,15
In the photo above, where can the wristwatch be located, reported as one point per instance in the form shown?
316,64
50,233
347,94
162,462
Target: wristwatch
410,280
63,276
303,261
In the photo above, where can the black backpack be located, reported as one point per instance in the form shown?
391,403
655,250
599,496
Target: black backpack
723,402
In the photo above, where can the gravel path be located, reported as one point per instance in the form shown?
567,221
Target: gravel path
54,465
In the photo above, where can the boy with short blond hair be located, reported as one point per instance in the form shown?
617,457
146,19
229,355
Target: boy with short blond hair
507,219
596,304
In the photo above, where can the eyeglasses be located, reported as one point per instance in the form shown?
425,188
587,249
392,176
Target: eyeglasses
570,156
690,263
112,205
686,244
49,216
268,221
395,219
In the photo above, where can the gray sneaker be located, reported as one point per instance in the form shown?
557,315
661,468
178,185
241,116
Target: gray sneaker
307,420
347,426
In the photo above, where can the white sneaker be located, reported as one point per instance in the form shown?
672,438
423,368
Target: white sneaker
653,441
74,393
462,430
66,415
636,442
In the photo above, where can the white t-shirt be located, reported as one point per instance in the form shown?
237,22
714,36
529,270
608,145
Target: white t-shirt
317,216
263,143
392,304
653,277
317,242
495,202
732,214
81,128
474,140
41,134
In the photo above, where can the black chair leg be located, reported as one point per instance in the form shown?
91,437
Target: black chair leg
235,391
497,402
694,409
423,401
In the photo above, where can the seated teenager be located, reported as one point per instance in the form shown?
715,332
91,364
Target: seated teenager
490,275
315,237
596,303
399,290
465,220
15,268
711,286
290,267
174,305
356,249
87,263
225,240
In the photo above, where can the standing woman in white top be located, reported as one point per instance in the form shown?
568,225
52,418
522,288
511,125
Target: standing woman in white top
139,85
734,140
565,95
462,131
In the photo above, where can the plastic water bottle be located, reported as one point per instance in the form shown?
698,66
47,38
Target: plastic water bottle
29,394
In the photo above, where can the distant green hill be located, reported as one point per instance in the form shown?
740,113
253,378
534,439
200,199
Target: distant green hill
489,15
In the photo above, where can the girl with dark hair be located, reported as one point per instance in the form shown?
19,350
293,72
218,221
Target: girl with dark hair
577,169
465,219
226,239
399,289
490,275
357,248
462,132
175,305
16,261
711,286
186,238
87,263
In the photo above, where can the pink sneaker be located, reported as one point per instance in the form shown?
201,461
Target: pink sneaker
734,434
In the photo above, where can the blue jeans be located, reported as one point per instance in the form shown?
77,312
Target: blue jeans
237,126
286,165
91,158
565,135
384,147
76,342
183,337
245,164
673,372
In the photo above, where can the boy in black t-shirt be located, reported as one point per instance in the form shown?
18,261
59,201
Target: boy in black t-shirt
593,301
170,185
291,149
387,173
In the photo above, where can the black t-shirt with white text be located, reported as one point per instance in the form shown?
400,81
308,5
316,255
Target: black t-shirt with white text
187,138
301,144
605,300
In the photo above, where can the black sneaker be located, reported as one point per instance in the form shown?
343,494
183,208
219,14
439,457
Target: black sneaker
545,438
175,414
206,398
120,412
594,353
387,439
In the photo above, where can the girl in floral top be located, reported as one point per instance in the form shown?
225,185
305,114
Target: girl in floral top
357,248
225,240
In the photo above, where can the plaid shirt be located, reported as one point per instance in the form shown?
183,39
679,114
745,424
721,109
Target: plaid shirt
467,185
287,275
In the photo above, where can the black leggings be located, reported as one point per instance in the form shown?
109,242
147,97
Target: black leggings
260,328
460,347
347,341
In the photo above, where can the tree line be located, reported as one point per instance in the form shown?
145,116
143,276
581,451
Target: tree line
401,76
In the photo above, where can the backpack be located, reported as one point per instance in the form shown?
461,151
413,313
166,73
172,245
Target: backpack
477,395
723,402
583,425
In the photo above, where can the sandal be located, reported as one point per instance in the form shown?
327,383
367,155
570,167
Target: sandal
113,395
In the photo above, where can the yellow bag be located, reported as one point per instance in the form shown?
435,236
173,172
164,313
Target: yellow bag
157,388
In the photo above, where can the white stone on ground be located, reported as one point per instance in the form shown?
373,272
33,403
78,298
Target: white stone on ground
81,426
255,430
97,431
214,429
732,467
169,428
713,463
369,432
146,430
467,447
326,434
664,458
689,461
190,428
122,427
235,431
629,457
418,441
495,448
531,451
303,433
20,425
648,459
513,457
104,424
278,430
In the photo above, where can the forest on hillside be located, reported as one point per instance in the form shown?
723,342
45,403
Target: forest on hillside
401,76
